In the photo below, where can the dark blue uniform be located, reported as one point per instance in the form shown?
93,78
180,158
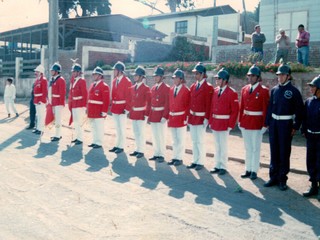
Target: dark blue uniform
311,129
32,110
285,112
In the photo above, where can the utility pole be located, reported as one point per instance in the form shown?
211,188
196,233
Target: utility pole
214,43
53,31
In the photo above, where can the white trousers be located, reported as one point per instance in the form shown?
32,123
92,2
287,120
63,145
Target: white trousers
97,126
120,121
198,147
221,146
139,126
41,116
57,112
78,115
179,139
9,101
158,138
252,143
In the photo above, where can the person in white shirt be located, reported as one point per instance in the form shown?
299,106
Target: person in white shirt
9,97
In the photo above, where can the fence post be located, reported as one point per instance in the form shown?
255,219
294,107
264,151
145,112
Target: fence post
19,67
1,66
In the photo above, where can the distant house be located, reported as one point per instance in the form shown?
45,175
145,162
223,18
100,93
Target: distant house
197,24
288,14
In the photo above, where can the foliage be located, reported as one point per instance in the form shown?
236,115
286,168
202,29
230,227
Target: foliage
174,4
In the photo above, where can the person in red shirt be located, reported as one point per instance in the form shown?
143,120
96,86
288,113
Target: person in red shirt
179,110
223,117
159,114
40,94
253,111
119,105
57,96
302,45
97,107
139,110
78,95
200,103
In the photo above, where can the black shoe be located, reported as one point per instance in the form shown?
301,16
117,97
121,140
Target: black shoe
97,146
215,170
177,162
222,172
55,139
253,176
78,142
91,145
113,149
134,153
153,158
283,186
119,150
199,167
160,159
30,127
270,183
192,165
313,191
74,141
37,132
246,174
17,114
9,115
140,155
171,162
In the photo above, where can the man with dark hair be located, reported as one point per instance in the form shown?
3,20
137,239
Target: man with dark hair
257,40
302,44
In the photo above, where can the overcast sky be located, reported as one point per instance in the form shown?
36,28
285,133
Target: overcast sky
20,13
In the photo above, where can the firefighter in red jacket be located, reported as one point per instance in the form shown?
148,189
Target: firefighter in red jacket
179,109
40,95
119,105
78,95
253,111
139,110
57,96
97,107
200,102
223,117
159,114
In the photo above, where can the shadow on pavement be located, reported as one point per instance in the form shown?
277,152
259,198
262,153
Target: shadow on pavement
71,155
96,159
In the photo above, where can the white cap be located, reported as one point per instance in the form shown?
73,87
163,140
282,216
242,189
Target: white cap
281,30
39,69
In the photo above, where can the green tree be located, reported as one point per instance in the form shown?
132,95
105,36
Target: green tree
174,4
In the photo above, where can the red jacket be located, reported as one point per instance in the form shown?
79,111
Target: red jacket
253,107
120,95
78,93
224,109
179,107
159,103
40,90
139,102
200,103
58,91
98,100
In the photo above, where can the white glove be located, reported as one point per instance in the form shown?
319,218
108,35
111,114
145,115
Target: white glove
229,129
186,121
241,128
126,111
163,120
205,123
103,114
263,130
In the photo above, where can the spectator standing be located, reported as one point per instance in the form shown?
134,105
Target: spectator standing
283,45
302,44
9,97
257,40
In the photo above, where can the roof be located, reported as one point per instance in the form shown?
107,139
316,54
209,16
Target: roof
204,12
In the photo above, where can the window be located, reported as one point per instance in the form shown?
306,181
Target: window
290,21
182,27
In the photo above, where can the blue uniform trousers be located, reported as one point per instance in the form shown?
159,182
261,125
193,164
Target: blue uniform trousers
313,156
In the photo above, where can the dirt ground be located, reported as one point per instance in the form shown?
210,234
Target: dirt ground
61,191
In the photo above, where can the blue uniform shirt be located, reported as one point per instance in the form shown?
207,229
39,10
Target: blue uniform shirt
311,120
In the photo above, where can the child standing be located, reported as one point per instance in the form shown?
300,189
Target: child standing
10,96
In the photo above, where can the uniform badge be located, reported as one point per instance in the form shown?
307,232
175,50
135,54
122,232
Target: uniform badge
288,94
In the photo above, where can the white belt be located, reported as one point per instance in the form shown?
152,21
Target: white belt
138,108
77,98
55,95
282,117
220,116
95,102
38,95
119,102
176,113
309,131
253,113
198,114
157,108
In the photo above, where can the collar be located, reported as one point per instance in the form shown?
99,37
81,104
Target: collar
201,82
254,86
119,78
158,84
138,84
282,85
223,88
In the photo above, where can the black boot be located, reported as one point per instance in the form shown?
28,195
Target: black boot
312,191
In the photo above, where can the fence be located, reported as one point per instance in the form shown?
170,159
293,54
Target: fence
19,68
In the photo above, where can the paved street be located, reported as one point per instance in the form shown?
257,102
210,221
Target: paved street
61,191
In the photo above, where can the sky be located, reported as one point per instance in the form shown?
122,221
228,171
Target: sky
21,13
